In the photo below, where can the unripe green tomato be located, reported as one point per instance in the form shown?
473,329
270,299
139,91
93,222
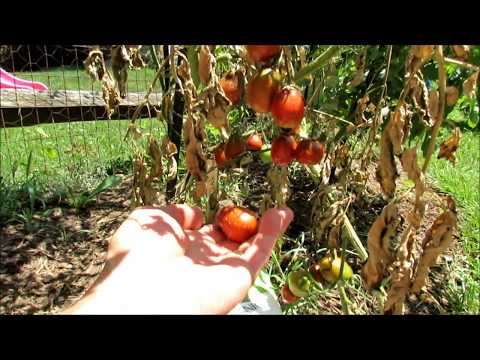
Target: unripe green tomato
299,283
333,274
266,156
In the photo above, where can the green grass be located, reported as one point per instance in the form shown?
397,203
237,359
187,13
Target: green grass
77,153
77,79
463,182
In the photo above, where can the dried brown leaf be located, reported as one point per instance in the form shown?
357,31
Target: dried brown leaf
110,95
423,52
327,215
401,276
433,103
410,165
461,51
95,64
470,85
194,136
386,172
449,146
120,64
360,73
398,127
420,97
380,245
451,93
135,55
437,239
206,64
156,169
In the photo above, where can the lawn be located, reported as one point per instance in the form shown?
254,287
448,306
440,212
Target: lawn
463,182
68,78
76,153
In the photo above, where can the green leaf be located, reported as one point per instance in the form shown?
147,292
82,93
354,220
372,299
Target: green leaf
408,183
260,289
51,153
29,164
108,183
473,120
426,141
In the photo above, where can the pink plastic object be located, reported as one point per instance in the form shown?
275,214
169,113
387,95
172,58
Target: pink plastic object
8,81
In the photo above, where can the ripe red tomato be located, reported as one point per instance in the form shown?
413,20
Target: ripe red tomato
309,152
235,146
220,157
287,295
261,89
262,53
232,87
254,142
237,223
283,150
288,107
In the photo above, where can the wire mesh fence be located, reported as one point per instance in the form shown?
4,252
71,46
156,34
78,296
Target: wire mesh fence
53,124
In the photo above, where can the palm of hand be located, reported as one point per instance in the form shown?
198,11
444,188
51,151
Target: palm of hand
199,269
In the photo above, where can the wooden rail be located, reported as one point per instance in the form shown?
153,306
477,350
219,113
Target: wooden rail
20,107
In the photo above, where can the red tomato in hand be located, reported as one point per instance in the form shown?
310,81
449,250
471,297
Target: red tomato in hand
309,152
261,89
283,150
235,146
262,53
237,223
220,157
232,87
288,107
254,142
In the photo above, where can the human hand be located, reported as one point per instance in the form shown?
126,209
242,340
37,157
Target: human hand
162,260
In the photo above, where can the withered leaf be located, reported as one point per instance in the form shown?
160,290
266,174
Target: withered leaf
206,64
360,73
156,169
449,146
470,85
437,239
461,51
410,165
433,104
120,64
380,254
386,172
95,64
110,95
451,93
423,52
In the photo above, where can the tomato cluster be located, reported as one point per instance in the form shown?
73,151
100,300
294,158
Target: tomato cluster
236,146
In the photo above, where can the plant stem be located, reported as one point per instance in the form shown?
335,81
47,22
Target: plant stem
354,239
343,298
316,64
442,84
461,63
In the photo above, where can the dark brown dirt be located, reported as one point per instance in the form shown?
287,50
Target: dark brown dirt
48,269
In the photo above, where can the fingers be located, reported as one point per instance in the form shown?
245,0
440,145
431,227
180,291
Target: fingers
257,251
152,231
190,218
275,221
